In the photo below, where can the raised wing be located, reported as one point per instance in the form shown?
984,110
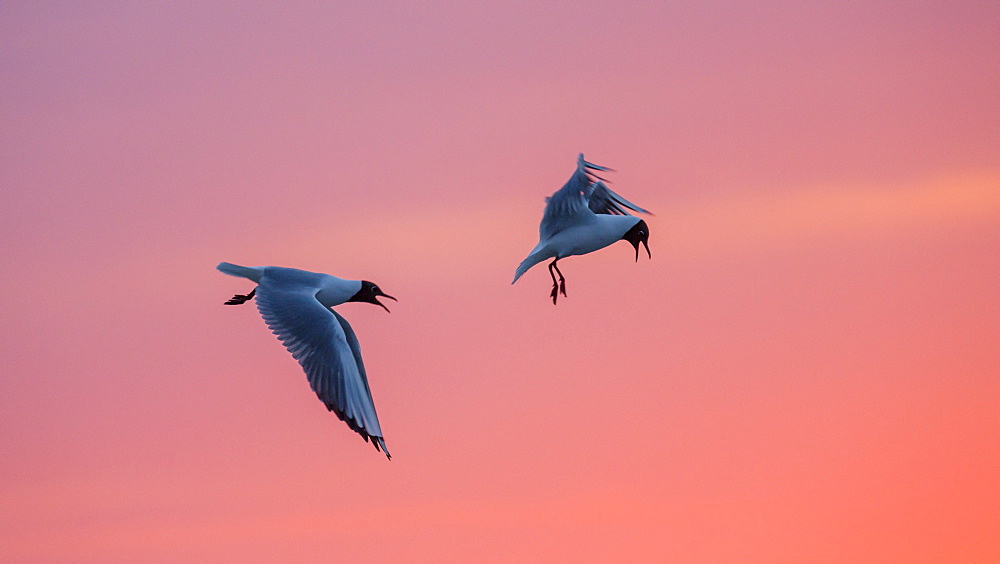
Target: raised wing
564,208
327,349
603,200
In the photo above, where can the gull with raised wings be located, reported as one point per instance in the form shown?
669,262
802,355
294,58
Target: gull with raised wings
582,217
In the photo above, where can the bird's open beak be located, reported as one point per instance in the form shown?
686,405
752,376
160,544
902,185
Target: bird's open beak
644,244
384,295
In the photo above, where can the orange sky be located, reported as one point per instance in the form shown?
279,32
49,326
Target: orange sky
806,370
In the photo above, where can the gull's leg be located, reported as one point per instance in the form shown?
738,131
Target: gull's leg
562,281
241,298
555,285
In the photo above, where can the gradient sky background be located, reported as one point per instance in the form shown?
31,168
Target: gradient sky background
807,370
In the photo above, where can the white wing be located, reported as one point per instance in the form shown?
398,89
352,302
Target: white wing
352,341
568,206
602,200
327,349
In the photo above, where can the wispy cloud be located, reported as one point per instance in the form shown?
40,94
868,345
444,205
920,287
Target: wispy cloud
832,212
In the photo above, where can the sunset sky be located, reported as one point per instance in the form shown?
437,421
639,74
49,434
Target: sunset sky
808,369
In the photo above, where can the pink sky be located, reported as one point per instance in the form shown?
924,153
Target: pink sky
806,371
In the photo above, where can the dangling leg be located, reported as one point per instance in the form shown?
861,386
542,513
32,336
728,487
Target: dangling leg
242,299
562,281
555,285
559,286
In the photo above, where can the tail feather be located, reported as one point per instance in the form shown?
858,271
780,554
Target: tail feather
532,260
241,271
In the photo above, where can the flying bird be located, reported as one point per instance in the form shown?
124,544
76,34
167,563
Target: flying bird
296,305
581,217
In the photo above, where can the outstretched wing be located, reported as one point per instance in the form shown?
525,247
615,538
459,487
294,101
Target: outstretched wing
327,349
568,205
352,341
602,199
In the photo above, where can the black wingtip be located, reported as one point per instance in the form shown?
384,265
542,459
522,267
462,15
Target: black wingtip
380,442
